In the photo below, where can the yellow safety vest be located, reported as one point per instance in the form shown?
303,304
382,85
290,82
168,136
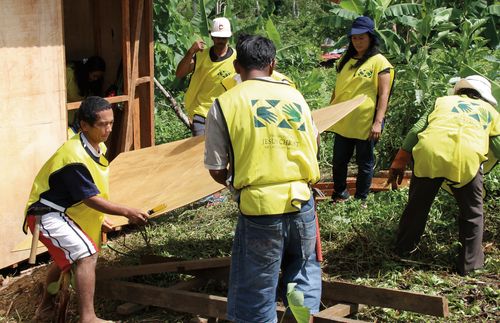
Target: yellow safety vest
353,82
204,85
232,80
456,140
73,152
273,146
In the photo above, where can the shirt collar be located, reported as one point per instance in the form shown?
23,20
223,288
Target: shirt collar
87,144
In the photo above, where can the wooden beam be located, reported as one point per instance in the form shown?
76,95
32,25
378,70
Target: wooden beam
204,305
402,300
337,313
341,309
147,92
178,266
142,80
111,99
125,138
172,299
134,102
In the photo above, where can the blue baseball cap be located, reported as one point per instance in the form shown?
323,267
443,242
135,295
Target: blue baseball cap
362,25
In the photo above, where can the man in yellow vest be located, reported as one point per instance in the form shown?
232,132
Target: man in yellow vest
261,142
209,68
68,200
450,146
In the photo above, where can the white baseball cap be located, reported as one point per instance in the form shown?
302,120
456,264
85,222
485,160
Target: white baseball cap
221,27
478,83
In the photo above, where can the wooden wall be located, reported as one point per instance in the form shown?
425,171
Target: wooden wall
32,106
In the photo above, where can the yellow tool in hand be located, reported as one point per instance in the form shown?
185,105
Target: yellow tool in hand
157,210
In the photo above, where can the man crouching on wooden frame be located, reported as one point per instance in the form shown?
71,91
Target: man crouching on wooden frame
70,197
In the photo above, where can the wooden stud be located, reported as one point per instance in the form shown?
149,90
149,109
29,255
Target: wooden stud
146,67
134,102
341,309
125,138
111,99
385,297
176,300
178,266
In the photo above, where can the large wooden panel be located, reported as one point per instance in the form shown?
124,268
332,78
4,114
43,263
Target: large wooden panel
32,106
171,173
174,173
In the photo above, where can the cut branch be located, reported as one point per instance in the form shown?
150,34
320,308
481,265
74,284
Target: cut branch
173,103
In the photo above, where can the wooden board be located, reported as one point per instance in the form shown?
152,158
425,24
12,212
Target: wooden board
385,297
328,116
174,173
32,100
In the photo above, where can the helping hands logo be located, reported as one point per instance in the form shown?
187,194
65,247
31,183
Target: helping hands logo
474,111
280,113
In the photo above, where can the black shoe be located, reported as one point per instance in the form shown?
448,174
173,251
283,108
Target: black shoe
340,197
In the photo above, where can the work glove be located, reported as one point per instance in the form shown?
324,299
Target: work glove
397,169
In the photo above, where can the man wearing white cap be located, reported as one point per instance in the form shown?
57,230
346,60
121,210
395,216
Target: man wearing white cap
209,68
449,146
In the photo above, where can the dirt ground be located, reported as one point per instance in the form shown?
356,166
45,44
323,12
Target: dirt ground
19,295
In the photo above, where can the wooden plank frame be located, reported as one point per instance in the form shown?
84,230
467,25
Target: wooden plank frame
345,297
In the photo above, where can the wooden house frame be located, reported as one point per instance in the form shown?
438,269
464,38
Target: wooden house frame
37,39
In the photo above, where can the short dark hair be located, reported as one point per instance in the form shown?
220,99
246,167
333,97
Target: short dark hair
90,107
254,52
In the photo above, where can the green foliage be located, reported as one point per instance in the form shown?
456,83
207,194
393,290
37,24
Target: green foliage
296,304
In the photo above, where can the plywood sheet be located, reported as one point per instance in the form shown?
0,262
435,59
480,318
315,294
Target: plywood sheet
328,116
32,102
171,173
174,173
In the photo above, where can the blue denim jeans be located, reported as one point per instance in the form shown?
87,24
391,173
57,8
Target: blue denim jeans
343,149
262,246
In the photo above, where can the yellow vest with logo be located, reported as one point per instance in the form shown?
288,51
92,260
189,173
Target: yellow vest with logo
273,146
73,152
204,85
456,140
353,82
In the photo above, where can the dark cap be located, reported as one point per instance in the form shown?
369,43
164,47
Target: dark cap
362,25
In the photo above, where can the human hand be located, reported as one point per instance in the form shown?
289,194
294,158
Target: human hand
197,46
376,131
395,176
397,168
107,225
136,216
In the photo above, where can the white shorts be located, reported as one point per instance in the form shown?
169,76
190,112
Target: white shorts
64,239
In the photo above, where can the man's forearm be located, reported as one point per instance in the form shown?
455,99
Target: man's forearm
184,67
102,205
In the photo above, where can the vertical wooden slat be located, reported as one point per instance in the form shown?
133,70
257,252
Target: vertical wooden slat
146,62
134,107
125,138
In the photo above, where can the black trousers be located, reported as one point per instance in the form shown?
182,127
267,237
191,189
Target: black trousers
423,190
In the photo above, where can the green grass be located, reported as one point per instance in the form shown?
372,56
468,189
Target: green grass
357,247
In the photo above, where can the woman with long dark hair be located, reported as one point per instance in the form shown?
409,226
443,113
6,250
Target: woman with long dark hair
362,70
84,78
